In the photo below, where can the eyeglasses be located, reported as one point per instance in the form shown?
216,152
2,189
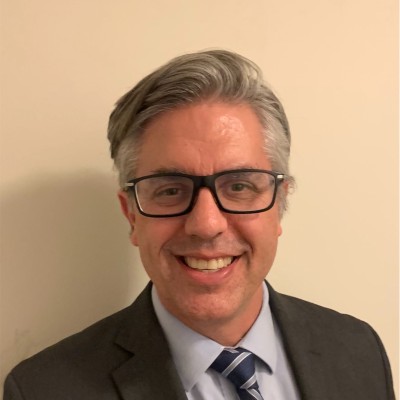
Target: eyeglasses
241,191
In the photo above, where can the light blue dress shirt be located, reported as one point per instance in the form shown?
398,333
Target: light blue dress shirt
194,353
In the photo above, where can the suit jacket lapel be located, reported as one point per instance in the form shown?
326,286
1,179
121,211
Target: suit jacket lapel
302,349
150,373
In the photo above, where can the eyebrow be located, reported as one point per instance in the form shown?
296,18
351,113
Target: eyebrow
165,170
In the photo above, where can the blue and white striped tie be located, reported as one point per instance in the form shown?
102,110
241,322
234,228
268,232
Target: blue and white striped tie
238,366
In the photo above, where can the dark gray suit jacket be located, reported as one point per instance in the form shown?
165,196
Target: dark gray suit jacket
126,357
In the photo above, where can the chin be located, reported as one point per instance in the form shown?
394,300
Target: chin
208,308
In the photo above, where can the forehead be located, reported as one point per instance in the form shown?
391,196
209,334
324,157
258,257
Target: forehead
203,138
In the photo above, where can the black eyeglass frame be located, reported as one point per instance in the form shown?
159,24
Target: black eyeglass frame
206,181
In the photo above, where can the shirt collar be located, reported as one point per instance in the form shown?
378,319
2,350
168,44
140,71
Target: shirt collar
193,353
261,338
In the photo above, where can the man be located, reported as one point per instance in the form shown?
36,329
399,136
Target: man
202,148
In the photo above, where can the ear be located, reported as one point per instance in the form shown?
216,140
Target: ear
125,206
280,229
128,210
285,187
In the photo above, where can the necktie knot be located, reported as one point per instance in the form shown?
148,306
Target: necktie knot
238,366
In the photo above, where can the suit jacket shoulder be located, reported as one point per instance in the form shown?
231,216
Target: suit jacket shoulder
333,355
124,356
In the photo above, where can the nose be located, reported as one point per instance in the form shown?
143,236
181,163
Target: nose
205,220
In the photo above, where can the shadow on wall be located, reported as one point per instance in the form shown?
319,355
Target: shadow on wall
66,261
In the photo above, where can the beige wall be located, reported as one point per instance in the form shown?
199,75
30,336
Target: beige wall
65,256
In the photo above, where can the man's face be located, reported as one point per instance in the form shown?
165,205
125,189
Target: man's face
203,139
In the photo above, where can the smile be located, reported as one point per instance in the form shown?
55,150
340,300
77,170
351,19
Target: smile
213,264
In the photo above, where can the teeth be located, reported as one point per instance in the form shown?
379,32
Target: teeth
213,264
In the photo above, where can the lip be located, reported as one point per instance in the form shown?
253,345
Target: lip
213,264
208,278
206,256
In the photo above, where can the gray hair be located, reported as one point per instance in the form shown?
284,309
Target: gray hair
218,75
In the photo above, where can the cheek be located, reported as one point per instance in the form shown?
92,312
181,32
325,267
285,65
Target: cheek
152,233
262,233
260,226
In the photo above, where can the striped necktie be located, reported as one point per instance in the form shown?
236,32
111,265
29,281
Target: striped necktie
238,366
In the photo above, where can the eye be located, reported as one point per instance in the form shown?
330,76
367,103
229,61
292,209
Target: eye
168,192
238,190
239,187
